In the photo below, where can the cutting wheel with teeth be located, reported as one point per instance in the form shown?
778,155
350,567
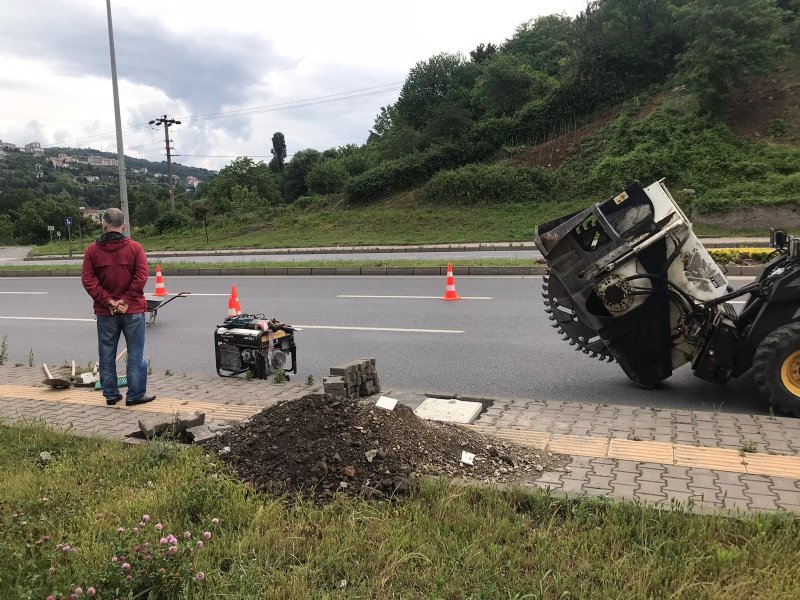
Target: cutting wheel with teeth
566,321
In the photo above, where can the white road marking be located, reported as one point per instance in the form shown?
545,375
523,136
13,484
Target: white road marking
737,302
394,329
337,327
413,297
48,319
30,293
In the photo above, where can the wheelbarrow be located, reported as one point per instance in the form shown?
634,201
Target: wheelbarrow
155,302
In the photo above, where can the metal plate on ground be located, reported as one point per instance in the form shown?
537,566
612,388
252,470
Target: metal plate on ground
449,410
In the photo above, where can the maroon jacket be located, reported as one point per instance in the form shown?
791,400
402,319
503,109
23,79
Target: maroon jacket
115,268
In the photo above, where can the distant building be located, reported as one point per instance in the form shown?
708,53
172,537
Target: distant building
93,214
142,171
8,146
192,181
92,178
61,161
102,161
34,148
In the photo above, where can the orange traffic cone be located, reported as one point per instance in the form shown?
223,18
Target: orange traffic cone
231,307
160,289
450,293
235,298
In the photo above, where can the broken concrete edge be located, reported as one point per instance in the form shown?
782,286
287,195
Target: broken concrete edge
485,402
154,425
535,270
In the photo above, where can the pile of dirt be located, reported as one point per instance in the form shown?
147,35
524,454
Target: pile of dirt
320,445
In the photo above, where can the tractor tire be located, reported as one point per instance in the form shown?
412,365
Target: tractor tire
776,368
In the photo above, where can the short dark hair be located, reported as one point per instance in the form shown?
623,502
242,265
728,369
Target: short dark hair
114,217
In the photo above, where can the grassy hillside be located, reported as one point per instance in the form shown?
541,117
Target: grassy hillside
704,94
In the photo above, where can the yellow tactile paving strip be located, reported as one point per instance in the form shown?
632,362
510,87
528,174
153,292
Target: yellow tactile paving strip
715,459
84,397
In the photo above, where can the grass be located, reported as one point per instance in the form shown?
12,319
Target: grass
721,255
445,542
398,221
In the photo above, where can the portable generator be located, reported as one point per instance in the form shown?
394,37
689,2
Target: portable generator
256,344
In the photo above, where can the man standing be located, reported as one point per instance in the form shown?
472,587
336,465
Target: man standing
114,274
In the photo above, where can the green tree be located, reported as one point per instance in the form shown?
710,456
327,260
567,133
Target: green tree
12,199
507,83
724,41
32,218
278,152
442,79
543,43
327,177
483,53
226,188
385,119
6,229
294,177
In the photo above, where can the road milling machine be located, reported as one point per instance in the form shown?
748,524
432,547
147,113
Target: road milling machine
630,282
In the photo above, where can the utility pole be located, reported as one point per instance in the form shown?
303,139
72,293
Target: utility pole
123,186
167,123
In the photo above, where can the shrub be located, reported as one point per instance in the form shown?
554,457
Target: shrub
405,172
740,255
327,177
172,222
489,184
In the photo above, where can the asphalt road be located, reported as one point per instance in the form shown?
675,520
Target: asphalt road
501,346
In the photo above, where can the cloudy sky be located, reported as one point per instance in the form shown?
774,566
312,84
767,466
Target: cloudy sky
233,71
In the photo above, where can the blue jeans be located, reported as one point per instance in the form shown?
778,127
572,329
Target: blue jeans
109,327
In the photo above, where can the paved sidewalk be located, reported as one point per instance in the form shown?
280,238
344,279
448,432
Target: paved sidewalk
714,461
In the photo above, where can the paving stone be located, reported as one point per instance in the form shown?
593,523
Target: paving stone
762,502
757,487
651,487
579,473
624,478
703,480
731,491
627,466
624,490
648,474
735,504
676,485
603,469
599,482
572,485
551,477
727,477
784,483
786,498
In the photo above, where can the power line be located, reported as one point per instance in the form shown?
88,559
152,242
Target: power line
289,105
352,94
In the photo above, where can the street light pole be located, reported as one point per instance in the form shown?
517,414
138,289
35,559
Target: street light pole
123,186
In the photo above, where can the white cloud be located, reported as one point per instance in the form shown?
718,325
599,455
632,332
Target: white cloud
187,58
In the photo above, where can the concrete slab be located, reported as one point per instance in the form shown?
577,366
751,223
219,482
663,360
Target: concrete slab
449,410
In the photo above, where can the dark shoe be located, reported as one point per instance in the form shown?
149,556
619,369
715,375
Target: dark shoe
114,401
143,400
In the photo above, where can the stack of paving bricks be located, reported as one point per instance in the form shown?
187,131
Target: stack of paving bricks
353,379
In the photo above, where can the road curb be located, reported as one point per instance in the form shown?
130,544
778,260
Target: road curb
536,270
470,247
